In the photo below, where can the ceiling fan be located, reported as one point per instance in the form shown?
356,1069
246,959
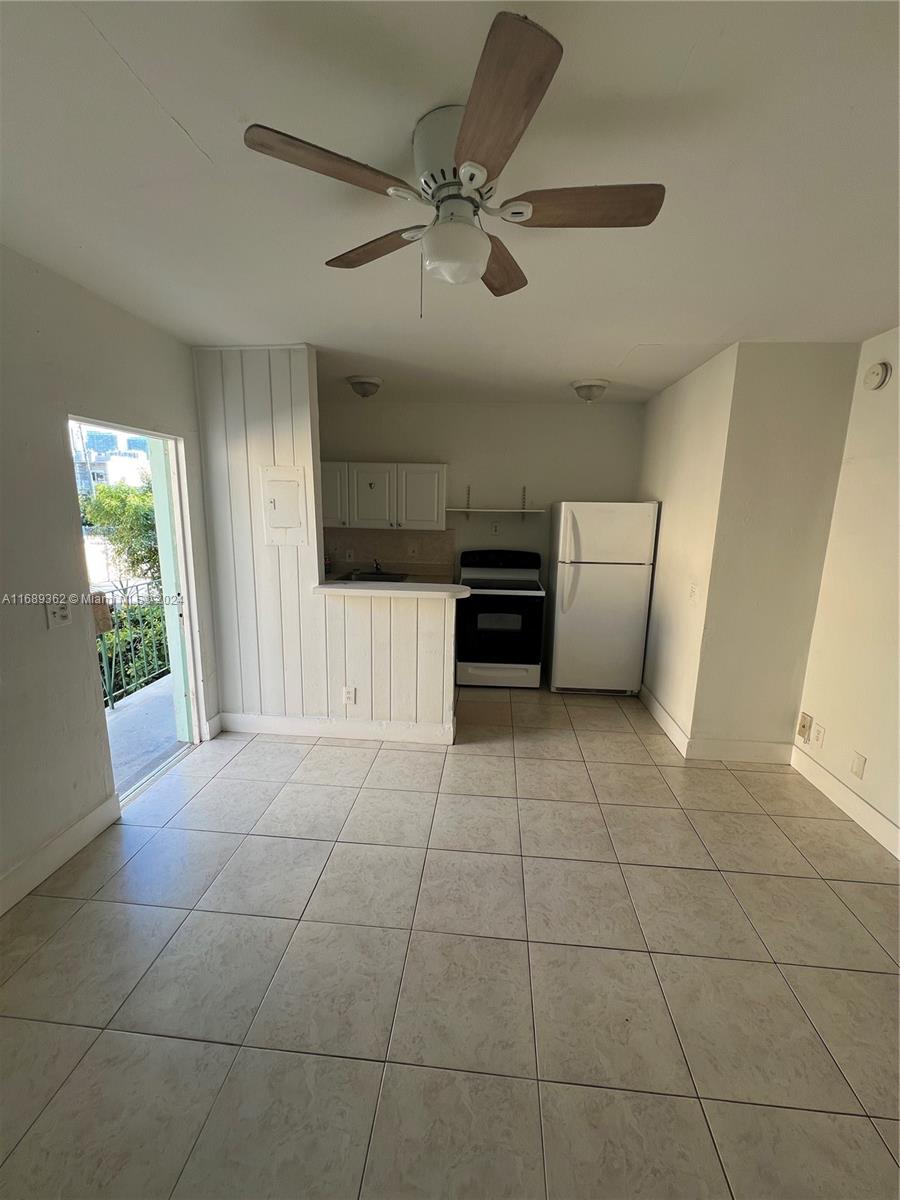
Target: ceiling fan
459,152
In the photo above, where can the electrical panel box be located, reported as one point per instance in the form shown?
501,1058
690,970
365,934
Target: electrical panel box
284,506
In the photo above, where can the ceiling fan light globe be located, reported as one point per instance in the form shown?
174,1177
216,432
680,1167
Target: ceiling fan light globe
456,252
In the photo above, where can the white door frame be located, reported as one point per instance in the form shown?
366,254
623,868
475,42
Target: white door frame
185,556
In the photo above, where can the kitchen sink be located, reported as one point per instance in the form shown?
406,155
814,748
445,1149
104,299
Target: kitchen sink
371,577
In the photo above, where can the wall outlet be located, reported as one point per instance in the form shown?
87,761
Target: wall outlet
349,695
818,735
58,614
858,764
495,527
692,593
804,727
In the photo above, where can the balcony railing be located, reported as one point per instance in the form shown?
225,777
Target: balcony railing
135,651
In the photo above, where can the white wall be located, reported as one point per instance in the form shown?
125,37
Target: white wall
556,451
65,352
285,651
683,460
744,455
851,676
786,431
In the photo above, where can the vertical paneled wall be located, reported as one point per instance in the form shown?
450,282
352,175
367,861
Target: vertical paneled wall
285,654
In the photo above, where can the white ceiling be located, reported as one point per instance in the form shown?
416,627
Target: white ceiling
773,127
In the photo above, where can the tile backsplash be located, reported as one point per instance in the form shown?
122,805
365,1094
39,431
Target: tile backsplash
423,552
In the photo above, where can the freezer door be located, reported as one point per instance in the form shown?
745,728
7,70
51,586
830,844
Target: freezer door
606,533
599,626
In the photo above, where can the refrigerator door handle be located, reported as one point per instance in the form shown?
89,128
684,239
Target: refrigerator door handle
571,538
570,589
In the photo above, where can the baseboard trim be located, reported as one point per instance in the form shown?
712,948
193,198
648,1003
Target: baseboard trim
873,822
669,725
733,748
390,731
26,875
211,728
715,748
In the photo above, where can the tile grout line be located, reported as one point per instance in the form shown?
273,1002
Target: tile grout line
242,1043
862,1116
680,1044
531,999
801,1005
56,1090
387,1046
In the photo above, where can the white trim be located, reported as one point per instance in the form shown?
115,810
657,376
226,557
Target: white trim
184,552
670,726
397,731
734,748
404,591
24,876
213,727
881,828
714,748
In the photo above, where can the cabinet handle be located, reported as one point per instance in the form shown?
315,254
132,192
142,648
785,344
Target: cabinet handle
399,524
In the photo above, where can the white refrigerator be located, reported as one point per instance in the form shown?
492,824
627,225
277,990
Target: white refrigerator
601,564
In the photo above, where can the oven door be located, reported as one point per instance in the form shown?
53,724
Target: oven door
499,629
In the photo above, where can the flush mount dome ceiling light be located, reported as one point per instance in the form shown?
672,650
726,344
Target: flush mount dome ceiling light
364,385
459,152
590,390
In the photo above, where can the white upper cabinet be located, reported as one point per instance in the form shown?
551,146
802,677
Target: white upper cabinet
335,499
373,495
384,495
421,495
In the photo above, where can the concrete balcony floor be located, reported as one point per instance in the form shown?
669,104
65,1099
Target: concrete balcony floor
142,734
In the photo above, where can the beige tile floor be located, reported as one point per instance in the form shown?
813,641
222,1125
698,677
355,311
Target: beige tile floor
556,961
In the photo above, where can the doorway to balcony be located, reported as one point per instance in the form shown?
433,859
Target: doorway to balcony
132,534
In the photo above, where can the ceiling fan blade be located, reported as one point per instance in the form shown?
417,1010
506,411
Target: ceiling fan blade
517,63
317,158
612,207
377,248
503,274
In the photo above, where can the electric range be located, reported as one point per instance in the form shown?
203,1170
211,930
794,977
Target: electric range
500,626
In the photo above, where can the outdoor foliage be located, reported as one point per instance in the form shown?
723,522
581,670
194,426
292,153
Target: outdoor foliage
124,514
135,651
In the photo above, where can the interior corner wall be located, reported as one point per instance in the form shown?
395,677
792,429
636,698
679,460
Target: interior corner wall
850,687
786,432
67,352
686,432
556,451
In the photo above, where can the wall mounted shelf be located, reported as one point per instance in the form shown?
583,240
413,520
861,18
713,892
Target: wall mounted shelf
522,511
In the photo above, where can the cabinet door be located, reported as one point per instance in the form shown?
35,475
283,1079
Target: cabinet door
421,495
334,494
373,495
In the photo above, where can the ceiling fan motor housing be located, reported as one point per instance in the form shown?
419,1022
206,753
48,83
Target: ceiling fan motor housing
434,146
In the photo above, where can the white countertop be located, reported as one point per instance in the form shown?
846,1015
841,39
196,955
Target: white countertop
410,591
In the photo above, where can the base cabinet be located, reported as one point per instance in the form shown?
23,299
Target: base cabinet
384,495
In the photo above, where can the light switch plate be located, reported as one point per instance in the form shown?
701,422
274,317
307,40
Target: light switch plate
858,764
